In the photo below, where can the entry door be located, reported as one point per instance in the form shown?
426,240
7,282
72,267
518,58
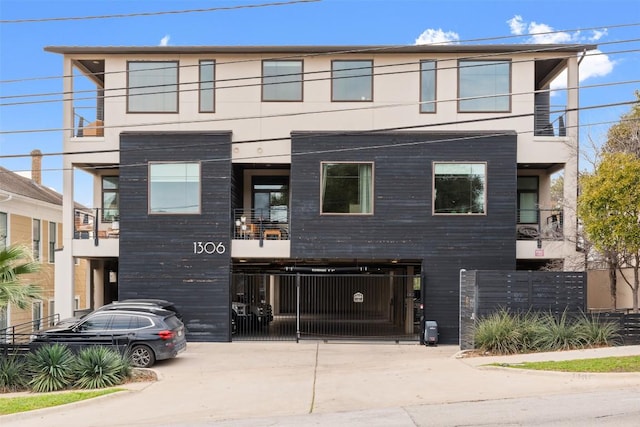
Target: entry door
271,198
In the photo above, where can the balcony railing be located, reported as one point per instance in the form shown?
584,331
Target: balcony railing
261,224
96,224
540,224
550,120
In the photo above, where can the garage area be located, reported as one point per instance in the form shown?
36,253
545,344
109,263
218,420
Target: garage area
327,305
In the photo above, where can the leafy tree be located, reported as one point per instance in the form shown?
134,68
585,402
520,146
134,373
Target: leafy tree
15,262
624,137
609,206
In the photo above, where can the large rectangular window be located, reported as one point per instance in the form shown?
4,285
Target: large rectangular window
152,87
36,236
174,188
207,86
484,86
459,188
110,198
347,188
352,80
281,80
427,86
53,238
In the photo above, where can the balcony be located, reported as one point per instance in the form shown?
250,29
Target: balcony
550,121
96,233
547,224
261,233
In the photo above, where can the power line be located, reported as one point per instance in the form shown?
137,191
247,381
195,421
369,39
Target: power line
334,133
379,48
170,12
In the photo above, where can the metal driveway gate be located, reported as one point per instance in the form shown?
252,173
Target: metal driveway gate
324,306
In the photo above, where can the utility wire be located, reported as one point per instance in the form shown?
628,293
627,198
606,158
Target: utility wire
170,12
378,48
334,133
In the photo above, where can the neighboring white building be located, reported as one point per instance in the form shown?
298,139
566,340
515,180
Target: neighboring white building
415,161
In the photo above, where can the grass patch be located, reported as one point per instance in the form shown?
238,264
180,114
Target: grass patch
601,365
13,405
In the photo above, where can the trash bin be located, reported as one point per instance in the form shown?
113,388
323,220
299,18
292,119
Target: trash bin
430,332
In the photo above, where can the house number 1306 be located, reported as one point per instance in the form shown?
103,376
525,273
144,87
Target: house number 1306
208,248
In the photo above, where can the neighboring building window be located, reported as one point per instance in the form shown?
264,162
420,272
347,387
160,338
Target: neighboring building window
527,200
53,238
152,87
110,198
487,83
427,86
52,312
4,230
207,86
36,315
347,188
36,239
459,188
4,323
174,188
281,80
352,80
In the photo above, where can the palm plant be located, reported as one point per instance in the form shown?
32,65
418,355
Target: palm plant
51,368
12,376
99,367
15,261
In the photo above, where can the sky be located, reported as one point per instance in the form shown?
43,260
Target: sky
607,23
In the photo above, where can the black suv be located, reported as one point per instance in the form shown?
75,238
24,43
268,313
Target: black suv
146,335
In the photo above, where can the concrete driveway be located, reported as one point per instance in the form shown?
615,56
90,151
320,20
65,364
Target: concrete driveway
235,382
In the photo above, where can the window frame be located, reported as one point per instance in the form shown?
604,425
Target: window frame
149,183
4,230
301,82
486,62
115,191
431,103
334,78
485,188
177,87
36,239
36,307
53,239
371,190
202,63
520,191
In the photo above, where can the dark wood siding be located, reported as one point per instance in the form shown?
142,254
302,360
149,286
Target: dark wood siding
157,257
403,226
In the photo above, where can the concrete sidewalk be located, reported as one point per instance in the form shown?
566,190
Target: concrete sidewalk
235,382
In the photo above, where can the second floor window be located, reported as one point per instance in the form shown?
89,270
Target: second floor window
282,80
110,198
427,86
347,188
4,230
352,80
53,238
174,188
459,188
484,86
36,239
152,87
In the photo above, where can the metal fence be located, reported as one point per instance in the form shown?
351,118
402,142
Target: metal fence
325,306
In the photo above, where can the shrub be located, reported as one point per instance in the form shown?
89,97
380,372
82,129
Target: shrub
12,376
597,333
499,333
51,368
559,333
99,367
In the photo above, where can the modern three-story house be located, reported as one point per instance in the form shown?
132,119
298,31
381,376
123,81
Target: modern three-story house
316,185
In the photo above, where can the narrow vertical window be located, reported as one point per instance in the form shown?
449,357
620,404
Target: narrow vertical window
347,188
36,315
207,86
427,86
281,80
110,198
36,239
352,80
3,230
53,237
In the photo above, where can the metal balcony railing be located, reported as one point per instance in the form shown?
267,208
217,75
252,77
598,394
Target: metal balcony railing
261,224
550,120
540,224
96,224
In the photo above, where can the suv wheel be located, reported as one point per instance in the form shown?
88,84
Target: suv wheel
142,356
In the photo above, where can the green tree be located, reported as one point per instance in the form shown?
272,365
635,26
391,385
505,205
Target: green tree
15,262
609,206
624,137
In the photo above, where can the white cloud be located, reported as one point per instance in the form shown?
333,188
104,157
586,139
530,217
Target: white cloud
438,36
516,25
165,40
594,64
